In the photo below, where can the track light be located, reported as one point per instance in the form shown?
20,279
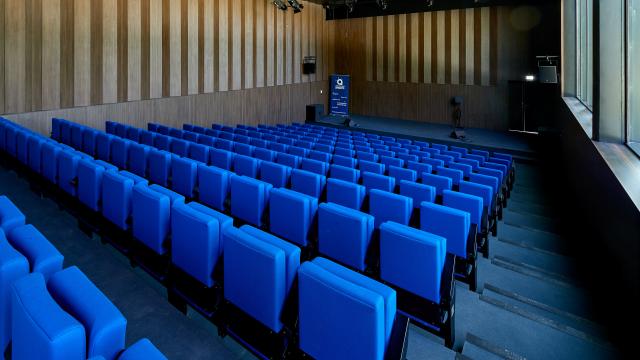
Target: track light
383,4
296,6
280,5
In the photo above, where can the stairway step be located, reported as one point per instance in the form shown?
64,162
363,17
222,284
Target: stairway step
537,239
529,207
534,271
532,248
478,348
422,342
542,259
544,310
533,222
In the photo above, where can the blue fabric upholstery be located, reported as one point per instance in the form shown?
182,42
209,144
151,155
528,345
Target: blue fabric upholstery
385,206
465,202
466,169
104,325
502,169
292,215
121,130
180,147
116,198
345,193
391,161
13,266
375,181
259,270
243,149
65,133
206,140
444,158
191,136
176,133
439,147
451,224
159,167
138,159
473,163
147,138
439,182
68,171
480,159
265,155
49,161
483,191
142,350
224,144
41,328
344,234
221,158
89,141
34,146
184,175
249,198
419,168
103,146
455,175
22,149
275,174
402,174
308,183
199,153
43,257
418,192
345,173
151,213
133,134
215,186
197,241
372,167
288,160
367,157
342,316
55,128
120,152
345,161
315,166
90,184
10,216
298,151
483,153
246,166
344,152
163,142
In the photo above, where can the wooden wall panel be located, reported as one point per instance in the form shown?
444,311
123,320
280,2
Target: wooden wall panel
155,49
15,46
2,63
33,55
175,47
134,50
82,53
110,51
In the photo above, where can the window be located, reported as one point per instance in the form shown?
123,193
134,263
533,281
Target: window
584,51
633,74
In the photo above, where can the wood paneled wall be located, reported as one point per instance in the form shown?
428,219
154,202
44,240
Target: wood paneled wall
410,65
59,54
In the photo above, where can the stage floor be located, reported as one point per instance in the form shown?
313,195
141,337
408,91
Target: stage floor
519,144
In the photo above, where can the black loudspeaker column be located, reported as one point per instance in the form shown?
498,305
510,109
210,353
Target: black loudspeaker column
314,112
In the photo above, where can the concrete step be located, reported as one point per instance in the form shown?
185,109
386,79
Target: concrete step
553,262
535,271
528,221
477,348
423,343
535,239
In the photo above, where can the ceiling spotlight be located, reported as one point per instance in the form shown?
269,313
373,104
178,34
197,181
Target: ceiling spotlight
429,3
280,5
383,4
296,6
350,4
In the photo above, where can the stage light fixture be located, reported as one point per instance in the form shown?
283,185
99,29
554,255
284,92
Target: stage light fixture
383,4
296,6
280,5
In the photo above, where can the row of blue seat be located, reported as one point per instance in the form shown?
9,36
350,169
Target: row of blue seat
292,213
48,312
199,232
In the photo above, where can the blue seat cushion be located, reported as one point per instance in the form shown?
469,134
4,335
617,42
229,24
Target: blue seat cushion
465,202
345,173
116,198
151,212
483,191
159,167
143,349
376,181
13,266
344,234
104,324
439,182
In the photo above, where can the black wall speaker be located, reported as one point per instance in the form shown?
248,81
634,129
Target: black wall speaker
315,112
309,65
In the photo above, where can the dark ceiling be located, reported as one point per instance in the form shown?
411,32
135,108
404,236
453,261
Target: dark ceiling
365,8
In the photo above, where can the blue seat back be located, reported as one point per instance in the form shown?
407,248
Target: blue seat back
488,180
375,181
151,213
147,138
465,202
43,257
372,167
483,191
344,234
308,183
292,215
138,159
345,173
13,266
385,206
275,174
184,176
466,169
315,166
265,155
116,198
35,153
451,224
68,171
163,142
159,167
249,199
455,175
439,182
345,193
103,146
419,168
199,153
215,189
402,174
246,166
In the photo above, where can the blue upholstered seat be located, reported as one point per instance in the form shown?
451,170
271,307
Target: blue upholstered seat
372,167
345,173
491,181
265,155
120,153
104,325
163,142
308,183
13,266
151,213
419,168
246,166
288,160
473,163
402,174
455,175
249,199
483,191
344,234
143,349
43,257
385,206
466,169
451,224
439,182
292,215
68,171
315,166
376,181
221,158
418,192
197,240
259,272
147,138
116,198
41,328
22,148
275,174
214,188
199,153
343,314
159,167
366,156
10,216
345,193
90,183
180,147
345,161
191,136
465,202
34,149
184,176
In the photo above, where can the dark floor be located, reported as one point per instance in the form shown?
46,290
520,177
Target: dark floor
531,303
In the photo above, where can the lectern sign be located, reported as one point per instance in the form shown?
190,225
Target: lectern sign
339,96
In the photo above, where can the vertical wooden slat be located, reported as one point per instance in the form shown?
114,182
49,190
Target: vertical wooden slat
145,49
235,51
401,36
192,47
477,46
442,50
385,48
270,16
34,55
288,47
184,47
96,52
414,49
166,48
433,52
123,48
216,46
312,37
321,45
175,46
455,47
421,48
82,53
134,53
66,53
369,47
223,46
15,42
156,57
304,40
249,45
51,36
231,63
297,48
110,51
470,46
462,46
201,46
260,31
484,52
2,62
493,43
394,48
447,47
207,46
